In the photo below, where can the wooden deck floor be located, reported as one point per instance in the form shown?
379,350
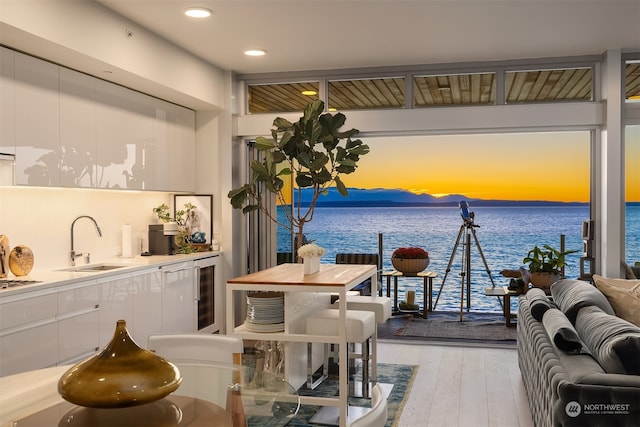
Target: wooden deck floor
461,386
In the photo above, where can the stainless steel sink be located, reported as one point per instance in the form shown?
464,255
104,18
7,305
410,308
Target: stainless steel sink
96,267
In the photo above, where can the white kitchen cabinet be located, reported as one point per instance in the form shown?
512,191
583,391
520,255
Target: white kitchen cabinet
162,165
68,129
179,304
147,305
7,102
28,332
78,139
124,130
184,149
37,121
116,304
78,321
172,157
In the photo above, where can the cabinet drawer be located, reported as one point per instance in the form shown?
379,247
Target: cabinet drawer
29,310
78,299
30,349
78,335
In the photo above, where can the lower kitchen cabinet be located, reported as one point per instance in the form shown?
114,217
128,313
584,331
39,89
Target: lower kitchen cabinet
116,304
147,303
70,322
28,333
32,348
78,322
179,303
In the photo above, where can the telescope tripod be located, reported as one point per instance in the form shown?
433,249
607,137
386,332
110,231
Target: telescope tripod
467,230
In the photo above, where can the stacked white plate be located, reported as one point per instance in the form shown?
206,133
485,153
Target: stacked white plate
265,312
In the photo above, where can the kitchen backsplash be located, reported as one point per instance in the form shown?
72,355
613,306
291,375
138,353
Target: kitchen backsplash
41,218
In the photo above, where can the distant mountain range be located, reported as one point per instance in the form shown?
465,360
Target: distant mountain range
382,197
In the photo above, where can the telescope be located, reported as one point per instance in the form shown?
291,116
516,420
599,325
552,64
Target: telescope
466,215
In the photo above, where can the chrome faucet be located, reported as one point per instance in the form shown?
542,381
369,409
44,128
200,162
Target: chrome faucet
73,255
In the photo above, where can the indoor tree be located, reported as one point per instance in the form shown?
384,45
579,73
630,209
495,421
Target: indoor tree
315,151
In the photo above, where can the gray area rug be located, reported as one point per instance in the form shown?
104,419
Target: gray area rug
475,327
401,376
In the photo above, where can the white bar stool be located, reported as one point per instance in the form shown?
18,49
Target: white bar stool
361,328
380,306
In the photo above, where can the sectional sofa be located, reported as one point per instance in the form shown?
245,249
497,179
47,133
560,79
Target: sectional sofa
579,359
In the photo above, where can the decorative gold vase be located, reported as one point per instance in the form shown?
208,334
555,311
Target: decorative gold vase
121,375
410,266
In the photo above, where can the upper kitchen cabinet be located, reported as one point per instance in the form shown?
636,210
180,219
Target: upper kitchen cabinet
78,140
7,103
69,129
173,156
37,121
184,147
125,137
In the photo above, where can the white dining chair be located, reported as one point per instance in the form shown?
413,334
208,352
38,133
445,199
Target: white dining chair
221,351
203,347
377,416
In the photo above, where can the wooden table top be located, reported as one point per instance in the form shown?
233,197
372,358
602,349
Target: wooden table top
293,274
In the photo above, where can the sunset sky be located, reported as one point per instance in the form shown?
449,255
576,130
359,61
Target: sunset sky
541,166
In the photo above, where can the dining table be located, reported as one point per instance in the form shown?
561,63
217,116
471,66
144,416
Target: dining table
31,399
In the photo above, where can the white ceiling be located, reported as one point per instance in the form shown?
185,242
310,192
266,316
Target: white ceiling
334,34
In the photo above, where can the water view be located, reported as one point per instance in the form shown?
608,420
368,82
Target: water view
505,235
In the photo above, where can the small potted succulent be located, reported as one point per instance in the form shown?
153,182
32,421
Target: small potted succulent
410,261
545,265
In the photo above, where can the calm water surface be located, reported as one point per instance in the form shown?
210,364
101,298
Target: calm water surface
505,235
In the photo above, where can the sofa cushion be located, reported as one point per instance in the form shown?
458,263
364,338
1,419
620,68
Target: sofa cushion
614,342
571,295
623,295
539,303
561,331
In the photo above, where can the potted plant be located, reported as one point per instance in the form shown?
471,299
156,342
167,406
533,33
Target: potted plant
315,151
545,265
410,261
183,238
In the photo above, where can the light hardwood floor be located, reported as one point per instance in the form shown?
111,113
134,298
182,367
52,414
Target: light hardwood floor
460,386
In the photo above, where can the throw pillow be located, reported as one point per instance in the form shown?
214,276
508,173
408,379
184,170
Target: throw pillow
539,303
560,330
571,295
623,295
614,342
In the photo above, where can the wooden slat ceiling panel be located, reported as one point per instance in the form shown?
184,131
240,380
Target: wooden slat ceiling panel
366,93
280,97
460,89
632,80
548,85
437,90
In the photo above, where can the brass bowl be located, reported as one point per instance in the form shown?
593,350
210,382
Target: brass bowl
121,375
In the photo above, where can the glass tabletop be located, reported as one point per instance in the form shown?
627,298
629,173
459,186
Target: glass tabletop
268,400
203,399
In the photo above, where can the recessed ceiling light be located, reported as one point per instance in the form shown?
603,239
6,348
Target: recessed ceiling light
197,12
309,92
255,52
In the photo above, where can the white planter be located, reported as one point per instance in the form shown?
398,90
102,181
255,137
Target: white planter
311,264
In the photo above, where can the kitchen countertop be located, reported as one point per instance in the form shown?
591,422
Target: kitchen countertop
57,277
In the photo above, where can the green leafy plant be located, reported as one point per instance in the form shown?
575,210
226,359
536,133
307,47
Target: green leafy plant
183,239
315,151
546,259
